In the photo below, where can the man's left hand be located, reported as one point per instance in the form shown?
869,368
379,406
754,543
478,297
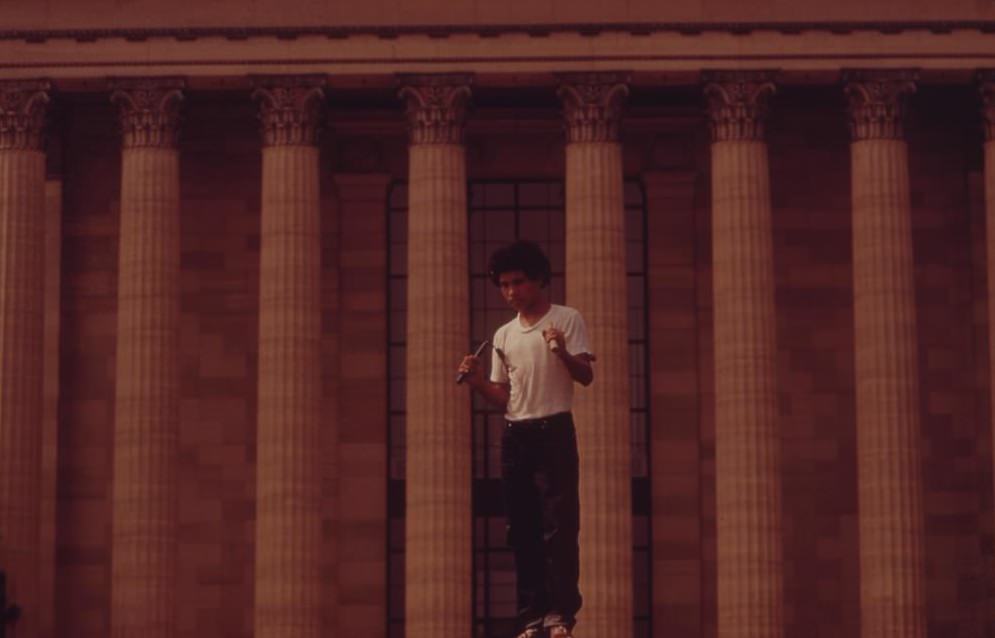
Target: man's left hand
554,337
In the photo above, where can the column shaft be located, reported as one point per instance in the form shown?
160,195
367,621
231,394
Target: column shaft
22,290
747,441
50,402
22,215
990,252
597,286
438,530
888,433
288,585
144,493
987,86
438,525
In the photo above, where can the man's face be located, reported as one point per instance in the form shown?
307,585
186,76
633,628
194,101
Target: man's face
519,291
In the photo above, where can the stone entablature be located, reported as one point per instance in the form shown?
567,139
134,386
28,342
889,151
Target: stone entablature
23,105
392,29
220,56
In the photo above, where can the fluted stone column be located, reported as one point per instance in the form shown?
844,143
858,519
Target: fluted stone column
888,456
288,587
597,287
438,550
987,87
50,401
747,442
22,288
144,520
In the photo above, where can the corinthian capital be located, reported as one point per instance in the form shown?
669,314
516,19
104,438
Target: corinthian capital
23,105
149,110
737,103
592,105
877,102
290,109
436,107
986,84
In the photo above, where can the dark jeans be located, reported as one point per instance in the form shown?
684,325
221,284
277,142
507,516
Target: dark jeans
539,472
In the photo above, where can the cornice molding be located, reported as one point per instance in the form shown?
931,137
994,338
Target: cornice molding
149,110
877,99
290,108
436,106
738,103
23,106
592,104
494,30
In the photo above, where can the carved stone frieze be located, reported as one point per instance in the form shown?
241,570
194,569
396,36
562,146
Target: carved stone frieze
738,103
877,102
290,109
986,85
436,107
23,106
149,111
592,105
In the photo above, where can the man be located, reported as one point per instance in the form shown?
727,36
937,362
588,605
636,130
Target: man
538,356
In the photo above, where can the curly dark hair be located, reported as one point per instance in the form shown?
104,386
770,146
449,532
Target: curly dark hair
522,255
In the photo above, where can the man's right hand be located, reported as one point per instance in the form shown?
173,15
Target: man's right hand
471,367
497,394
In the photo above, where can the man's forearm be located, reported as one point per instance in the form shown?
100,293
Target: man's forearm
494,393
579,367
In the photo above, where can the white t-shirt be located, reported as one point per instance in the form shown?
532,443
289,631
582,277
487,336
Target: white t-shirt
540,383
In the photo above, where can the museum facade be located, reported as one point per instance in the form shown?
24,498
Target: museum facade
240,260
